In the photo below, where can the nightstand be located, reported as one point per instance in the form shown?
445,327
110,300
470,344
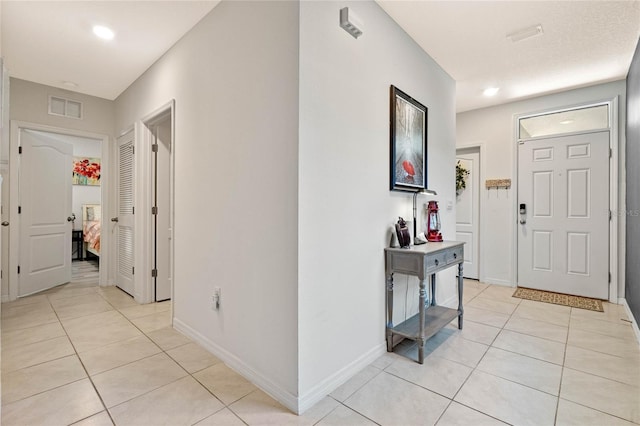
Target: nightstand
77,245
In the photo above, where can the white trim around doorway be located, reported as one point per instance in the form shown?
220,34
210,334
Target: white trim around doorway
481,226
14,196
617,222
143,200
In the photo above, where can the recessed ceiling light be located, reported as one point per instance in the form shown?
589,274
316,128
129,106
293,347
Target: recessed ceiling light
491,91
566,122
103,32
69,84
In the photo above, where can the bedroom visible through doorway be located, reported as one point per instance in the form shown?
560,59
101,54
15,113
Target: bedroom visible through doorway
86,204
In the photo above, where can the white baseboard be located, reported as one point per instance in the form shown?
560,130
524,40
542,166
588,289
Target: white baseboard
634,322
296,404
451,302
328,385
275,391
497,281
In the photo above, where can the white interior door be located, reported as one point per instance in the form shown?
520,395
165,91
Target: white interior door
45,210
124,221
162,225
468,211
563,244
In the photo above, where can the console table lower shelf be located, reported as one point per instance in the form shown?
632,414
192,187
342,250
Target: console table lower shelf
435,318
423,262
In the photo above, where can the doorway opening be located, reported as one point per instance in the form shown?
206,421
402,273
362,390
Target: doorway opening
566,235
468,207
57,189
161,190
155,196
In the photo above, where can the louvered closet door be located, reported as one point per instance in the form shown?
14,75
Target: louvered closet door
124,226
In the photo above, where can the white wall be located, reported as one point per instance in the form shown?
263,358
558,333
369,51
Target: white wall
234,78
494,128
0,31
346,207
30,103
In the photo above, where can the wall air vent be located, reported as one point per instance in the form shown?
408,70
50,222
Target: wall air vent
65,107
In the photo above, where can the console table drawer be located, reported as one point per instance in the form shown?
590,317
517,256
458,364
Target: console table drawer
455,255
436,261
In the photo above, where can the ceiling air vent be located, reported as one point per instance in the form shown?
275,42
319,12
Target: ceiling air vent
65,107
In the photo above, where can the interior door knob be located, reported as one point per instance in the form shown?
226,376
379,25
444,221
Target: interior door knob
114,219
71,218
5,223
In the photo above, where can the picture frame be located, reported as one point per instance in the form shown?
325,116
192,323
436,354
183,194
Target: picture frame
86,171
408,134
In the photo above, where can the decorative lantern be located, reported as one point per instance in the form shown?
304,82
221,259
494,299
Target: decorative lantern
433,222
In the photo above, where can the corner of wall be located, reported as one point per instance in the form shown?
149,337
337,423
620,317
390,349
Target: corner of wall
634,321
241,367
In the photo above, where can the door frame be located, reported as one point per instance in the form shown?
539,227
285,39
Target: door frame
616,269
144,236
14,196
481,220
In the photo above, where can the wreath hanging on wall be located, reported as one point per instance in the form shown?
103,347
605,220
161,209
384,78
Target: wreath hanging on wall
461,177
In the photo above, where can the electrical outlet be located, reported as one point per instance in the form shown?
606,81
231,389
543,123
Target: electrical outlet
216,298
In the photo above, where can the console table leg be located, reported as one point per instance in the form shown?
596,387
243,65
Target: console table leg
389,312
421,309
433,289
460,287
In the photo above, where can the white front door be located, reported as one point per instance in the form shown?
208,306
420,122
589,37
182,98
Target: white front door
124,220
468,210
45,210
563,186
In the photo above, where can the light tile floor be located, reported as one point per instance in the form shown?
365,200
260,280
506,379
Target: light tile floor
84,355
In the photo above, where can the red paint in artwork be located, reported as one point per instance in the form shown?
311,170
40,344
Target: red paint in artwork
87,168
408,167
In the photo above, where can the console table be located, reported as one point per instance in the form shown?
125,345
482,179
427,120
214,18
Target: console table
422,261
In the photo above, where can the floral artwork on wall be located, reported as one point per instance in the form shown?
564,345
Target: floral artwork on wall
86,171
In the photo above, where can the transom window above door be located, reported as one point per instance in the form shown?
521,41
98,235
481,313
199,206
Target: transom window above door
594,117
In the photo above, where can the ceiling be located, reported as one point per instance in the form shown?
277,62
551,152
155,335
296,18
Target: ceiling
51,42
583,43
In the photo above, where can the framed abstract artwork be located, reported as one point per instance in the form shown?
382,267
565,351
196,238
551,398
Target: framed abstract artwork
86,171
408,127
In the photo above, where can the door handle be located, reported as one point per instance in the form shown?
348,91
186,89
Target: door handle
523,214
5,223
114,219
71,218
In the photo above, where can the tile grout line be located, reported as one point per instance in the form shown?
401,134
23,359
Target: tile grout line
475,368
165,351
568,368
162,350
484,372
564,360
83,367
